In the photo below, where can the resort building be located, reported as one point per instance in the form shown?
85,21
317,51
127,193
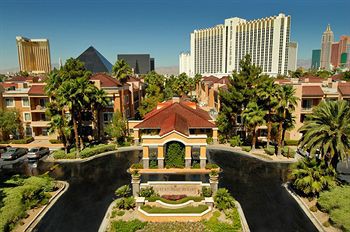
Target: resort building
94,61
218,50
27,95
140,63
292,56
316,58
177,121
185,64
33,55
326,48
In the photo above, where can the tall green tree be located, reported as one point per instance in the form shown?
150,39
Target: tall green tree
121,70
253,116
99,101
328,129
182,85
117,128
287,102
9,123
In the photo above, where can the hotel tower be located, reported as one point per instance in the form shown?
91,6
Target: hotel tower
33,55
219,49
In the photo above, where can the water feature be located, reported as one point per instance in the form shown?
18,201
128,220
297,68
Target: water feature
254,183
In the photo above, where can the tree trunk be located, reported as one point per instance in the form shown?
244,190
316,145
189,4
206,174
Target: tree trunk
283,136
81,143
334,161
76,135
98,125
254,139
269,127
279,143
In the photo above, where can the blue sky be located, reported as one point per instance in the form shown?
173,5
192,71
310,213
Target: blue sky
159,27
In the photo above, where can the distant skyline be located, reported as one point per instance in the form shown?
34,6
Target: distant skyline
160,28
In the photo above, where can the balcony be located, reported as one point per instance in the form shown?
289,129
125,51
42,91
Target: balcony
39,108
40,123
306,109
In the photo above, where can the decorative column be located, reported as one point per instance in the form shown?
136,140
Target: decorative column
214,182
188,156
203,156
135,181
145,157
160,156
215,135
136,136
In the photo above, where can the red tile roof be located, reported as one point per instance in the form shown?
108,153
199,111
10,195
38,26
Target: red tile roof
310,91
23,79
7,85
106,80
177,116
337,77
210,78
311,79
344,88
37,90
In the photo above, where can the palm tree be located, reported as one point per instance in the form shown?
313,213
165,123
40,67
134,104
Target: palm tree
98,102
253,116
287,102
328,129
267,92
121,70
310,176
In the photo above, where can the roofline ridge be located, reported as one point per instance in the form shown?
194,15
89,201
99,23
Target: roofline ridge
159,110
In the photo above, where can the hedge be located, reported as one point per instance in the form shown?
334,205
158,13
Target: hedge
187,209
288,152
270,150
246,148
183,200
26,140
175,157
28,194
290,142
55,141
85,153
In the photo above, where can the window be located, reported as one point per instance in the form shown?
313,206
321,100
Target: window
27,117
25,102
9,102
107,117
28,130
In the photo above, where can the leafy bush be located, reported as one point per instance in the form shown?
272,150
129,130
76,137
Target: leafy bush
127,226
214,225
270,150
187,209
137,166
336,203
235,141
290,142
175,157
223,199
59,154
26,140
222,139
55,141
196,166
210,140
125,203
29,193
288,152
309,177
123,191
87,152
313,208
211,166
246,148
153,164
206,192
147,192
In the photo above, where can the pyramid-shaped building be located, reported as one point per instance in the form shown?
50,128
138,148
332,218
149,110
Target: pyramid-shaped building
95,61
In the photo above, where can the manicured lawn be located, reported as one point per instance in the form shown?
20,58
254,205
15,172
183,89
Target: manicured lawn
336,203
188,209
183,200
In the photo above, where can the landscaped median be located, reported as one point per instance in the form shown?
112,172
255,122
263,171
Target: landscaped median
85,153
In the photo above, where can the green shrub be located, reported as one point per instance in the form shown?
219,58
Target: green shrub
336,203
326,224
26,140
187,209
120,213
211,166
30,192
214,225
137,166
246,148
175,157
223,199
270,150
123,191
235,141
147,192
290,142
206,192
153,164
127,226
210,140
233,215
125,203
288,152
196,166
55,141
87,152
313,208
222,139
59,154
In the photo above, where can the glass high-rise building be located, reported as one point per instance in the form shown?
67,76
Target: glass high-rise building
316,59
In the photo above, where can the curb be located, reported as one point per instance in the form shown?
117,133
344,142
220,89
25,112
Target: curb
305,208
31,226
244,223
104,224
251,155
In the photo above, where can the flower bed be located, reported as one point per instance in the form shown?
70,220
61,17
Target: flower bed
180,201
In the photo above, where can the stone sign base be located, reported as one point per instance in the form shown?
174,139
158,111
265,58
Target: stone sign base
189,188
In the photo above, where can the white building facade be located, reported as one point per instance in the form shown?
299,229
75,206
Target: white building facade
326,48
218,50
292,56
185,63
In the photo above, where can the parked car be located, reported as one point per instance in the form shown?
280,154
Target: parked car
3,149
38,152
13,153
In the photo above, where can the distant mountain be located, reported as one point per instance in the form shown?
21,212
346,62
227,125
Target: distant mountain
305,63
168,70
